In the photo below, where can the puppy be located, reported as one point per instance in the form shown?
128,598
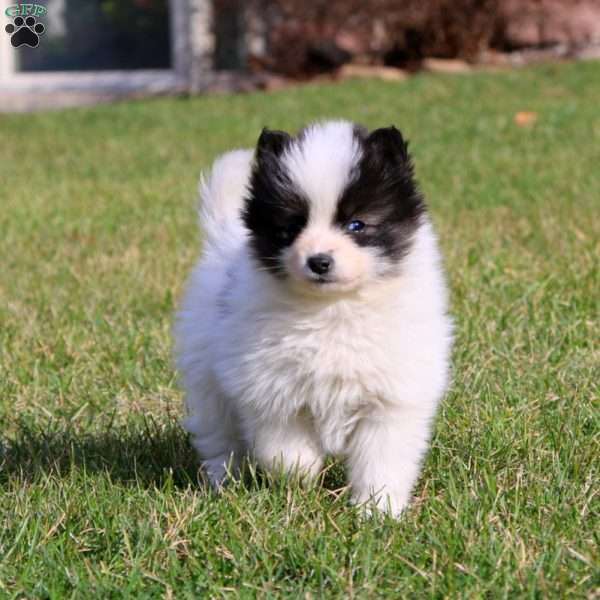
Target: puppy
314,322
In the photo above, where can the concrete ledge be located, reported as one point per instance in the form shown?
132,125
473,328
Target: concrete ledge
27,92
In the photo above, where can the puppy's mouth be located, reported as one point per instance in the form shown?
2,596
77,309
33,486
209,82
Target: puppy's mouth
320,280
323,282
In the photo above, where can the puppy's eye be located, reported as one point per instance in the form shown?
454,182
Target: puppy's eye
289,232
355,226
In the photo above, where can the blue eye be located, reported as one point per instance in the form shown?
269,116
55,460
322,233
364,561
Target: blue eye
355,226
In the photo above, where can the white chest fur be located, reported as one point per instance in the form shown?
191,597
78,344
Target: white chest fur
336,360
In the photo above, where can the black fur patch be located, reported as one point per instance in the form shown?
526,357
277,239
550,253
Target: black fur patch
275,212
383,194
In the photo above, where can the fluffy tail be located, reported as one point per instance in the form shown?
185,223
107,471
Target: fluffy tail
222,192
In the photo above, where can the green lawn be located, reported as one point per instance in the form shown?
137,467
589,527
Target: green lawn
99,491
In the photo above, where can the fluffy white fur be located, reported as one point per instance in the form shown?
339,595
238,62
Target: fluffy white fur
289,373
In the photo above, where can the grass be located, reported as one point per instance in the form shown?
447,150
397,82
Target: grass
99,491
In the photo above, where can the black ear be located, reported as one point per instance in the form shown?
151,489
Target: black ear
387,146
271,142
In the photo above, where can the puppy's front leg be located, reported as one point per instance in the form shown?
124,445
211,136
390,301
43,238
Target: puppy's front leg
288,444
384,457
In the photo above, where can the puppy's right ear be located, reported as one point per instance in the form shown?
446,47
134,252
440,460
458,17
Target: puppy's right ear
271,143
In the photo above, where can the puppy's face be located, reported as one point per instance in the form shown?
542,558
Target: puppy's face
334,208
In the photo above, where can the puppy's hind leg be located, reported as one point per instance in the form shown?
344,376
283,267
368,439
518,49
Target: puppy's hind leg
212,425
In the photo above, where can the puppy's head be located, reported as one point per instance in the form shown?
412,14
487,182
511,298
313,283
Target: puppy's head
333,208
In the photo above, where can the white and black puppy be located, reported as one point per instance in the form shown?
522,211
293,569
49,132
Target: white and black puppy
314,322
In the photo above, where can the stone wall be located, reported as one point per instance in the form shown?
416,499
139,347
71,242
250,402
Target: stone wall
537,23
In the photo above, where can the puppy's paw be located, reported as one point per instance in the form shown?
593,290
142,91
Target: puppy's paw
371,503
221,468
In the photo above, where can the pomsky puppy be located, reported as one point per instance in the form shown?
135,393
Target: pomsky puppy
315,321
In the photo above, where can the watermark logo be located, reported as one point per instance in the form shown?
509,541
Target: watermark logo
25,30
24,10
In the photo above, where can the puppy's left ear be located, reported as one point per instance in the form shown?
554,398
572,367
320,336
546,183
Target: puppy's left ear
388,147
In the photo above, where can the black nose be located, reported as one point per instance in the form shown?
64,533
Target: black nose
320,263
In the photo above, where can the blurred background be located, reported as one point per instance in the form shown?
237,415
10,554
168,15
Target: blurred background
96,50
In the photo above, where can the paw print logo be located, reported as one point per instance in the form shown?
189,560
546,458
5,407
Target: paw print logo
25,32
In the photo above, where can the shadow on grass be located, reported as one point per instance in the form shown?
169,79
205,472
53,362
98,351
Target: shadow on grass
149,454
